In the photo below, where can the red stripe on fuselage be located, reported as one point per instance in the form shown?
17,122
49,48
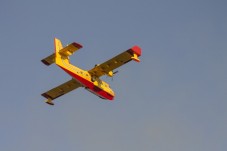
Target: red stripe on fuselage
88,84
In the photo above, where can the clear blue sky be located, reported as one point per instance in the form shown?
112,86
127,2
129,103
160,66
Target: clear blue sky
174,100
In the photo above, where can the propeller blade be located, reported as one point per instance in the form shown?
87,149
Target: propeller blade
115,72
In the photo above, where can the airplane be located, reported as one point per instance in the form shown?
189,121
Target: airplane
89,79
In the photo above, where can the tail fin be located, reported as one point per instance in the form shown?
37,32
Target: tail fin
66,51
52,58
61,53
57,45
58,48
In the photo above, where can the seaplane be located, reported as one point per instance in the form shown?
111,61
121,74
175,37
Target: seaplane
88,79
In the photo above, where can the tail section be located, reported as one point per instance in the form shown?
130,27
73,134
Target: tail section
52,58
58,49
49,60
61,53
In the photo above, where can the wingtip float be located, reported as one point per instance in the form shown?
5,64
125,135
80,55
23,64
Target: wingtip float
89,79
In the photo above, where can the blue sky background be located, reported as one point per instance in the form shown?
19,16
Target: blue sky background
174,100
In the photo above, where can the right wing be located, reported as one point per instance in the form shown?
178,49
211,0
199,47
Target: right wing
107,67
60,90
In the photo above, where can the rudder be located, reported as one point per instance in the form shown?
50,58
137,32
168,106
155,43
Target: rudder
52,58
57,44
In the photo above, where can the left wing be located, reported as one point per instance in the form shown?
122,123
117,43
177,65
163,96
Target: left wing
60,90
107,67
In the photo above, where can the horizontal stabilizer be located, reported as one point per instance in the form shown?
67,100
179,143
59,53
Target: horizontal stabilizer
66,51
70,49
49,60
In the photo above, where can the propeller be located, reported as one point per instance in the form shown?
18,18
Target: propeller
115,72
112,74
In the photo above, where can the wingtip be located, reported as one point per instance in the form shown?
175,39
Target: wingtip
52,104
45,62
136,49
49,101
77,45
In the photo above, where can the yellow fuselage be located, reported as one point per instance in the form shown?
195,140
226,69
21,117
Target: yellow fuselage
91,83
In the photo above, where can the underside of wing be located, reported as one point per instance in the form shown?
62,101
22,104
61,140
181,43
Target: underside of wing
61,90
107,67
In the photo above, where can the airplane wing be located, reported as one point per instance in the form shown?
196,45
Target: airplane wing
107,67
60,90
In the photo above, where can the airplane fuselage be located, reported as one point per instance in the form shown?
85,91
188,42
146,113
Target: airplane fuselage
93,84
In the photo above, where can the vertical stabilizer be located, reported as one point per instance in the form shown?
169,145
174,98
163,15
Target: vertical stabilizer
52,58
57,44
62,53
59,57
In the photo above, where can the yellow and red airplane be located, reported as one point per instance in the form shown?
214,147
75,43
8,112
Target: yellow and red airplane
90,79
